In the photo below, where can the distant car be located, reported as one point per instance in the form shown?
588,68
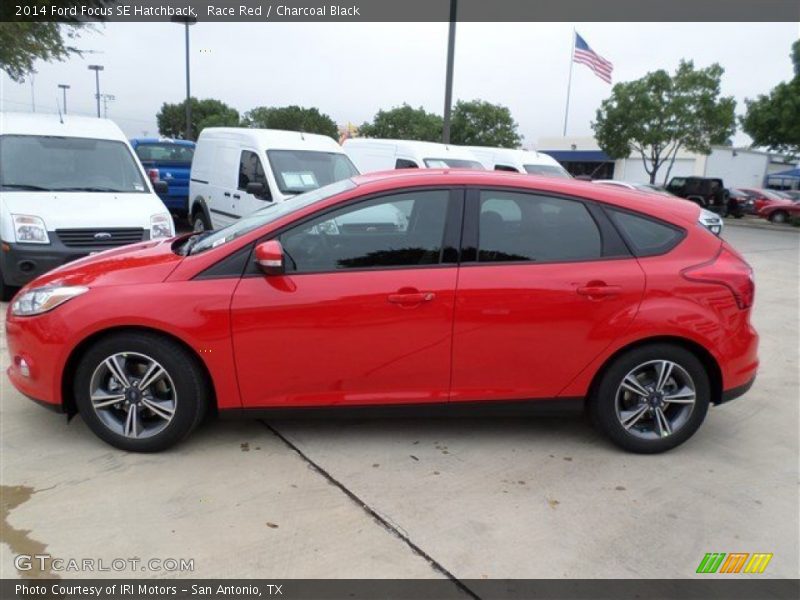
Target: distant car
763,198
169,161
519,161
740,203
709,219
780,213
793,195
707,192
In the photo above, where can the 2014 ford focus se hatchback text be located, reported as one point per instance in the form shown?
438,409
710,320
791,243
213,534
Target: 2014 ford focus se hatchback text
448,289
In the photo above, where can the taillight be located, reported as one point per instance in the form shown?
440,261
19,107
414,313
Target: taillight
154,175
727,269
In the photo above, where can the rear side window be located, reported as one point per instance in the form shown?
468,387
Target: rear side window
516,227
645,236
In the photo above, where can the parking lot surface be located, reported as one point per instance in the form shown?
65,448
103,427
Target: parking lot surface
470,498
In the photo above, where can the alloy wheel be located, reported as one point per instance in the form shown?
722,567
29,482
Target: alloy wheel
133,395
655,399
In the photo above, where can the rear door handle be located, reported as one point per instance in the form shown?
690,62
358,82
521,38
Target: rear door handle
236,196
411,298
598,290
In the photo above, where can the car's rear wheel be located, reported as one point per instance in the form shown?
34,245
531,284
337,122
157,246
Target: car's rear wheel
779,216
140,392
652,398
200,222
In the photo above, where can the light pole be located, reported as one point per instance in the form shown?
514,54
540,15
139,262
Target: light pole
186,22
97,69
448,86
64,87
106,99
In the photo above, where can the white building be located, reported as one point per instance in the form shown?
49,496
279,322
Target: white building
737,167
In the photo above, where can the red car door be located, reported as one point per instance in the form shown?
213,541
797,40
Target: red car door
363,314
545,286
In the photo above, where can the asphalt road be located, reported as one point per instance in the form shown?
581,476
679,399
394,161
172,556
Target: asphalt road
507,498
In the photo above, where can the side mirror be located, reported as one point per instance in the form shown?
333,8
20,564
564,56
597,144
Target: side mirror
256,188
160,187
269,256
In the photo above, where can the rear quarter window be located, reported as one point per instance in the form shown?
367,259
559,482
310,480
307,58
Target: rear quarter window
645,236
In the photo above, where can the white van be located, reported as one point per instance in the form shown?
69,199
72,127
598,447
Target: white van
237,171
518,161
69,186
384,155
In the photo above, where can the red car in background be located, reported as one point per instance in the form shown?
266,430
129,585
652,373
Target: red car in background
780,213
435,289
762,198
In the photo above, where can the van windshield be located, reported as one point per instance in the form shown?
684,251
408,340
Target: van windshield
67,164
298,171
452,163
165,153
268,214
549,170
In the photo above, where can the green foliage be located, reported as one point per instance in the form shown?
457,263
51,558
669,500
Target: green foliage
480,123
205,113
773,120
23,43
659,114
291,118
404,123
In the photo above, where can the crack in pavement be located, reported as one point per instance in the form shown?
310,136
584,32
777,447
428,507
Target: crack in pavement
383,521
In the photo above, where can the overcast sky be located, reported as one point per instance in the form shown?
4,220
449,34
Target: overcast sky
351,70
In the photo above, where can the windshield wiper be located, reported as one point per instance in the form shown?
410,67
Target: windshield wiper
186,249
88,189
26,186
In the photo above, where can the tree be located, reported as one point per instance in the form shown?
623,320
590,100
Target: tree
22,43
205,113
774,120
659,114
291,118
404,123
480,123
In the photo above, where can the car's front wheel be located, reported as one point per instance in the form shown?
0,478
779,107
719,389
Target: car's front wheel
200,222
779,216
652,398
139,391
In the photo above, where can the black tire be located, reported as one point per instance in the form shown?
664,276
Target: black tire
603,403
6,292
779,216
199,219
185,375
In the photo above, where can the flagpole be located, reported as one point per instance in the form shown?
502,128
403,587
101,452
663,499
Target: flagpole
569,82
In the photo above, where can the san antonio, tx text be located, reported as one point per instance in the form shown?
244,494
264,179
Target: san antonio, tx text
140,590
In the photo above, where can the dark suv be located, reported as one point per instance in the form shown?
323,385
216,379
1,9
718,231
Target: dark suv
708,192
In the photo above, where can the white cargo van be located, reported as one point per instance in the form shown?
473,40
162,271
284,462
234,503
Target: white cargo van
69,186
237,171
518,161
384,155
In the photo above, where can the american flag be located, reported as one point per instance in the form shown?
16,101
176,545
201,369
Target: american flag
584,55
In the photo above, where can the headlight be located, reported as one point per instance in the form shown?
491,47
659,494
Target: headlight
39,300
29,230
161,227
710,221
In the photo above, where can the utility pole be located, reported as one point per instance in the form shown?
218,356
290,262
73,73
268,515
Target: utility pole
97,69
448,86
106,99
64,87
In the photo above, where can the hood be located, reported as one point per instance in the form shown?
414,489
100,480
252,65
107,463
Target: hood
147,262
67,210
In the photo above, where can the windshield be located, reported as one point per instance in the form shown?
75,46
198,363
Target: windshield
549,170
268,214
298,171
45,163
165,153
452,163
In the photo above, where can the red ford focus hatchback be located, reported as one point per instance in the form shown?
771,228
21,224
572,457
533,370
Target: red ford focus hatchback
442,289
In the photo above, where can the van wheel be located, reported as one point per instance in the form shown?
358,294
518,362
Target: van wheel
140,392
200,222
652,398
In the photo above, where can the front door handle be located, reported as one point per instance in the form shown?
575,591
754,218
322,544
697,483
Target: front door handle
411,297
236,196
226,194
597,289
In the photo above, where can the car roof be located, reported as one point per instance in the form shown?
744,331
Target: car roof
12,123
431,150
274,138
611,194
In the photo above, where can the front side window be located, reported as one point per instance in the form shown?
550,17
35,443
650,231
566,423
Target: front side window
505,168
298,171
401,230
517,226
251,171
67,164
404,163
